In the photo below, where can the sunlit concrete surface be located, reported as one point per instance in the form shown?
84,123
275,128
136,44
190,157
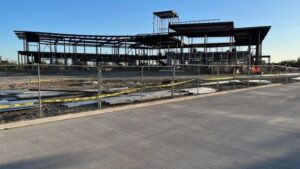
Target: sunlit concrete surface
249,130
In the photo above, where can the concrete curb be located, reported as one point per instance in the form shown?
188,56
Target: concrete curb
127,107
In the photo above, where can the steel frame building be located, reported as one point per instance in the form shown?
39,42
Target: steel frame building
196,42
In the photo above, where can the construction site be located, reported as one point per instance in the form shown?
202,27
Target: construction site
61,75
67,73
172,42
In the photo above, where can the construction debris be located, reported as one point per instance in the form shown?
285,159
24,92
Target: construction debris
199,90
35,94
11,92
260,81
81,103
296,78
21,105
136,97
220,82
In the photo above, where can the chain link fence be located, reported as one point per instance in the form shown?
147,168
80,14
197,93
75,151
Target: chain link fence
37,91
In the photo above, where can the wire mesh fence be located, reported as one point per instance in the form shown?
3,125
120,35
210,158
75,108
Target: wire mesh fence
16,83
66,89
37,91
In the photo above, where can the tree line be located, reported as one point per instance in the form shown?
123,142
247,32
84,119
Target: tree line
292,63
6,62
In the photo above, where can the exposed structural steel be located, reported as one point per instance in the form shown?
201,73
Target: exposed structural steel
162,19
172,41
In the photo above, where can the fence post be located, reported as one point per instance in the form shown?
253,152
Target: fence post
142,83
249,70
234,74
260,75
99,86
271,74
39,86
218,76
271,69
173,80
286,71
198,80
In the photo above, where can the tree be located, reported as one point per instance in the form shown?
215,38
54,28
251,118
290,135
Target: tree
6,62
293,63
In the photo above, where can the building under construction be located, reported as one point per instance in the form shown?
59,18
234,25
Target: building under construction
172,42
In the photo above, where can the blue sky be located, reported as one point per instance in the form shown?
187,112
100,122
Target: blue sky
135,16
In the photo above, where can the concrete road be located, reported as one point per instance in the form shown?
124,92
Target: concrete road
250,130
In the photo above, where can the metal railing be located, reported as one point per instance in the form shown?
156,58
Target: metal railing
197,21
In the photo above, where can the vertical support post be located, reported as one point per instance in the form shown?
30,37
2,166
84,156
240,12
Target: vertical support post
84,47
198,80
268,69
271,68
153,24
24,44
249,71
65,56
40,98
173,80
55,53
50,47
249,64
101,56
236,55
39,61
205,49
18,59
260,74
97,56
271,73
257,56
28,59
234,74
142,83
286,71
218,76
21,59
181,51
99,86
